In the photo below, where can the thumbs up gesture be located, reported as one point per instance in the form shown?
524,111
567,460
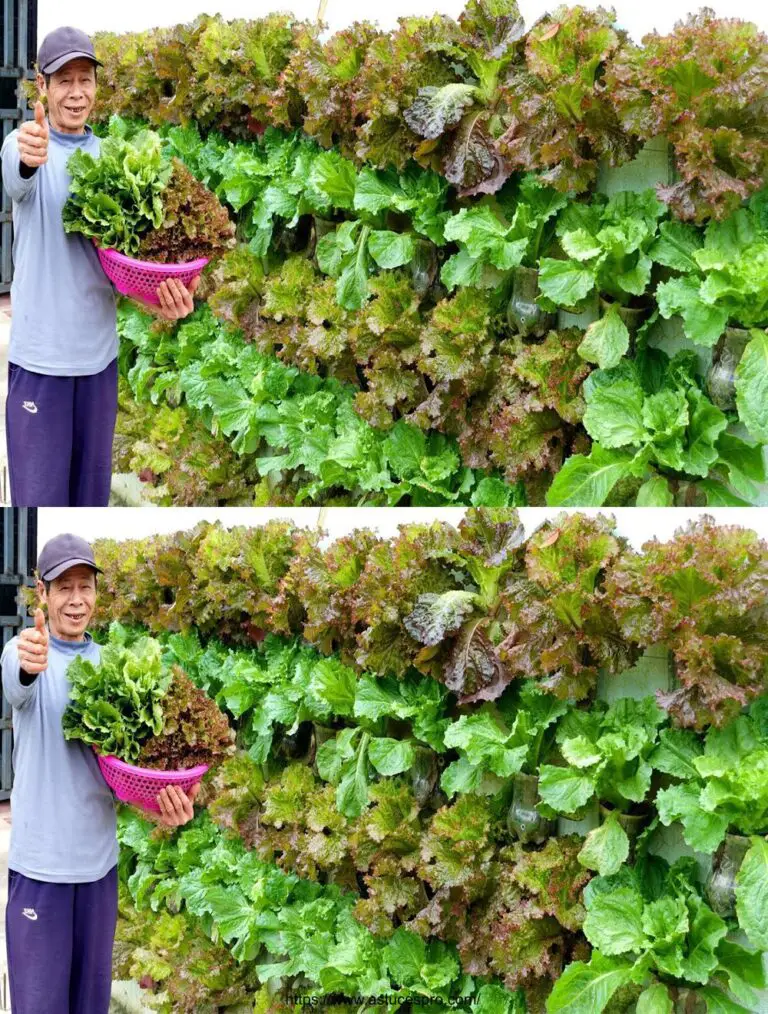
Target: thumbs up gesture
33,646
33,139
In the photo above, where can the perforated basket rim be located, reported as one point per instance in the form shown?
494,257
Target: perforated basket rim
153,266
155,774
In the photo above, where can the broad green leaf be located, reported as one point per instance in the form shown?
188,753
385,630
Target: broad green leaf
719,1002
752,893
605,341
702,830
606,848
390,756
580,752
744,461
752,386
718,495
587,480
352,284
334,177
654,1000
566,283
352,791
614,415
676,245
655,492
702,322
581,245
390,249
565,789
706,932
707,422
614,922
676,752
586,988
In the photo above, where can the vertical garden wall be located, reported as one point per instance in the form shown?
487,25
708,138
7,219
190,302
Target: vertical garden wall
479,263
476,770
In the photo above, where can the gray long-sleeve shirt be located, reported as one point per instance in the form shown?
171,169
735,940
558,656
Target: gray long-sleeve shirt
64,318
63,814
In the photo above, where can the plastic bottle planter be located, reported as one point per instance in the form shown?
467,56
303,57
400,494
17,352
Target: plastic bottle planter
586,316
424,266
320,734
726,357
687,1001
296,746
721,884
320,227
632,316
523,312
423,773
523,819
633,823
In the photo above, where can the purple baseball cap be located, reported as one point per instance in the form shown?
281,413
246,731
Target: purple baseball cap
62,552
62,45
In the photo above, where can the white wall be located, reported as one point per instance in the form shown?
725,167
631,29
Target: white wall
92,16
637,524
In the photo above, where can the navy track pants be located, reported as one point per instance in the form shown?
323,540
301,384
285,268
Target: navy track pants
60,432
59,939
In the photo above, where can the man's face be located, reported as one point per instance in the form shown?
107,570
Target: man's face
71,94
71,600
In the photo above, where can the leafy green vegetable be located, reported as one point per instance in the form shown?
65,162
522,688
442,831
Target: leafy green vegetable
117,704
751,887
488,747
561,119
118,197
133,706
607,755
643,422
648,934
494,239
751,392
727,789
702,595
723,279
194,222
609,243
698,86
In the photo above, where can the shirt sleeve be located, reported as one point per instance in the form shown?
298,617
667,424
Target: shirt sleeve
15,691
14,183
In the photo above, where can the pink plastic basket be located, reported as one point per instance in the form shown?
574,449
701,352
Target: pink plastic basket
141,785
141,278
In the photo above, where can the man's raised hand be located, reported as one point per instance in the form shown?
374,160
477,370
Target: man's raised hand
33,646
33,139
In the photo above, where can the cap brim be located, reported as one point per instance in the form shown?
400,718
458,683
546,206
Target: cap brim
57,571
55,65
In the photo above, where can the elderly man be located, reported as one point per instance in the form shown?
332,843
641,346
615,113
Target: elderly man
62,375
62,872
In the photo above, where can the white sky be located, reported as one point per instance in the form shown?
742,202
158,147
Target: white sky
637,18
637,524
